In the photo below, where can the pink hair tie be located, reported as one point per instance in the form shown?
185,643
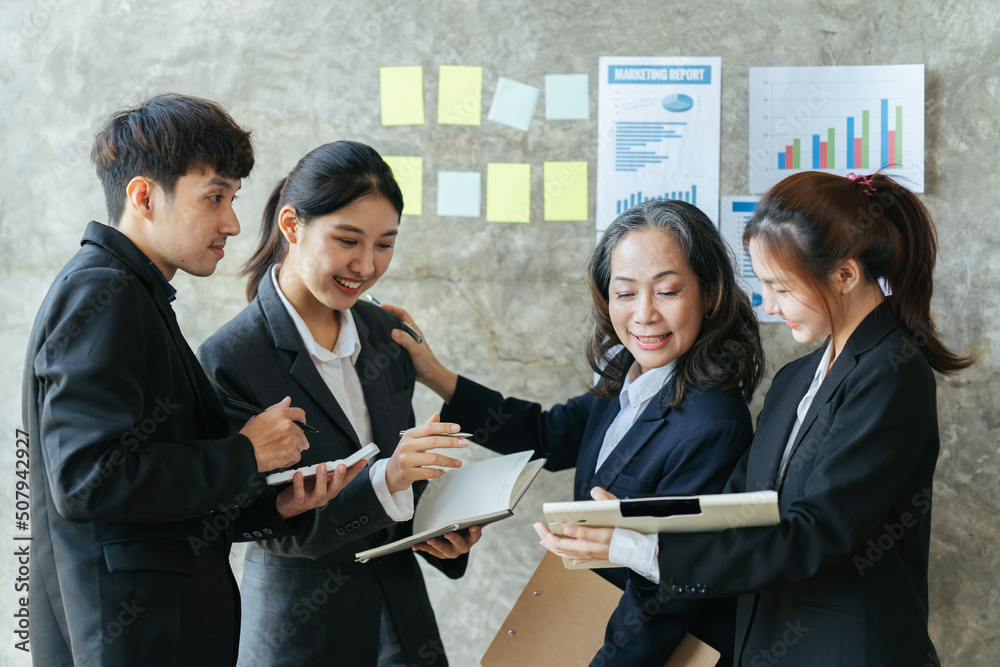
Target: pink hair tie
865,181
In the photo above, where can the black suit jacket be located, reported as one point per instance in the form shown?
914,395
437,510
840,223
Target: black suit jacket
842,580
688,450
258,357
137,486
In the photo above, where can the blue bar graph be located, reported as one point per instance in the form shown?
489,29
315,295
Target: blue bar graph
815,151
781,160
850,142
690,196
631,137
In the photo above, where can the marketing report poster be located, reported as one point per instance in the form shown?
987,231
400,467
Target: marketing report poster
659,124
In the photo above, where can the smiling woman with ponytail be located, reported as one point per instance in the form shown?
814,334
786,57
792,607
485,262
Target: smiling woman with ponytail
848,436
327,234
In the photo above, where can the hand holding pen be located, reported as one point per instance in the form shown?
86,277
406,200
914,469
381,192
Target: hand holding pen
413,458
278,441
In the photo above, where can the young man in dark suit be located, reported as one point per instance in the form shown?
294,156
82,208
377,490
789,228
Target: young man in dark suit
138,485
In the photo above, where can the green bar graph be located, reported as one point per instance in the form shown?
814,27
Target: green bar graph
864,139
797,154
830,150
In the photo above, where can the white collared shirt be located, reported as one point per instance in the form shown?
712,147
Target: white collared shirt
629,548
337,369
637,393
806,403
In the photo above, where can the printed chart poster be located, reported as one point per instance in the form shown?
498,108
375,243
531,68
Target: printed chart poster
837,119
736,211
659,122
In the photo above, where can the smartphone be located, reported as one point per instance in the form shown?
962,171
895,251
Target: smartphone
367,452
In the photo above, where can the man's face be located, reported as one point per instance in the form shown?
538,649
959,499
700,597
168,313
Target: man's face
191,227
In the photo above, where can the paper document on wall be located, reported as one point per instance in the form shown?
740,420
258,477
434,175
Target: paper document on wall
659,125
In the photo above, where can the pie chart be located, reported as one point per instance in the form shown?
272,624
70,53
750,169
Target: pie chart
677,103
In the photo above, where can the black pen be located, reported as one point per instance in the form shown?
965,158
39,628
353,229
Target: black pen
409,327
254,410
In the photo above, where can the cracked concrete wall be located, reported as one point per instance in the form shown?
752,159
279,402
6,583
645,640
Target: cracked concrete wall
504,304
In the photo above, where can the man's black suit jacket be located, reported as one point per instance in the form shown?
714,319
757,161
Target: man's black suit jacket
137,486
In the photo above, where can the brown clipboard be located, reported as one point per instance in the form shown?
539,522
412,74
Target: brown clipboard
559,620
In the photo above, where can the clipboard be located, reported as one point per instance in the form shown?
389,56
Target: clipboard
665,514
560,617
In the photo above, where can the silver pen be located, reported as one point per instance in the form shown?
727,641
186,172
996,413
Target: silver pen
450,435
409,328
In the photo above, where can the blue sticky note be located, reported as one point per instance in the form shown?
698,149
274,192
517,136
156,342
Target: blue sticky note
567,97
514,104
459,193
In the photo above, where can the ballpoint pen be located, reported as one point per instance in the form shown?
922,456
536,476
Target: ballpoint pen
409,328
450,435
254,410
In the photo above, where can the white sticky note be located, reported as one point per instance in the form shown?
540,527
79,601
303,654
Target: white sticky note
567,97
459,193
513,104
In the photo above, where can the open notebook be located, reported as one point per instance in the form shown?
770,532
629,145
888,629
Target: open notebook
475,494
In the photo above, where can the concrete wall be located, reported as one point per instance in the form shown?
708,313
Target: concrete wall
502,303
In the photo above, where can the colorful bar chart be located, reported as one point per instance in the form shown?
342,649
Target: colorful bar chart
836,119
690,196
824,157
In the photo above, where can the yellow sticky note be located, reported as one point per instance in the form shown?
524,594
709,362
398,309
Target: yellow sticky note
566,193
409,173
402,93
460,95
508,192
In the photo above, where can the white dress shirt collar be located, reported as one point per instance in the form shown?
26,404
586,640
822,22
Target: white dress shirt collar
639,388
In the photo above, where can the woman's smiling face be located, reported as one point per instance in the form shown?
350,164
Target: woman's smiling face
654,300
340,255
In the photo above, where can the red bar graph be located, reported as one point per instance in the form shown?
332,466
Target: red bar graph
857,153
822,155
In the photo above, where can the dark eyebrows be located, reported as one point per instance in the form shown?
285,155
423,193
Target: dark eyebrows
357,230
661,274
220,182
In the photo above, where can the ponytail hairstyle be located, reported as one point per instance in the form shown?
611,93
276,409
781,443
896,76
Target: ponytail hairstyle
727,354
812,221
327,179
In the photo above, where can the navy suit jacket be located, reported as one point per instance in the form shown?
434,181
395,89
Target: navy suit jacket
842,580
688,450
138,484
305,600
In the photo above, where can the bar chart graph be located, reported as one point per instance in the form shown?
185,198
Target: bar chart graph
857,143
837,119
630,200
